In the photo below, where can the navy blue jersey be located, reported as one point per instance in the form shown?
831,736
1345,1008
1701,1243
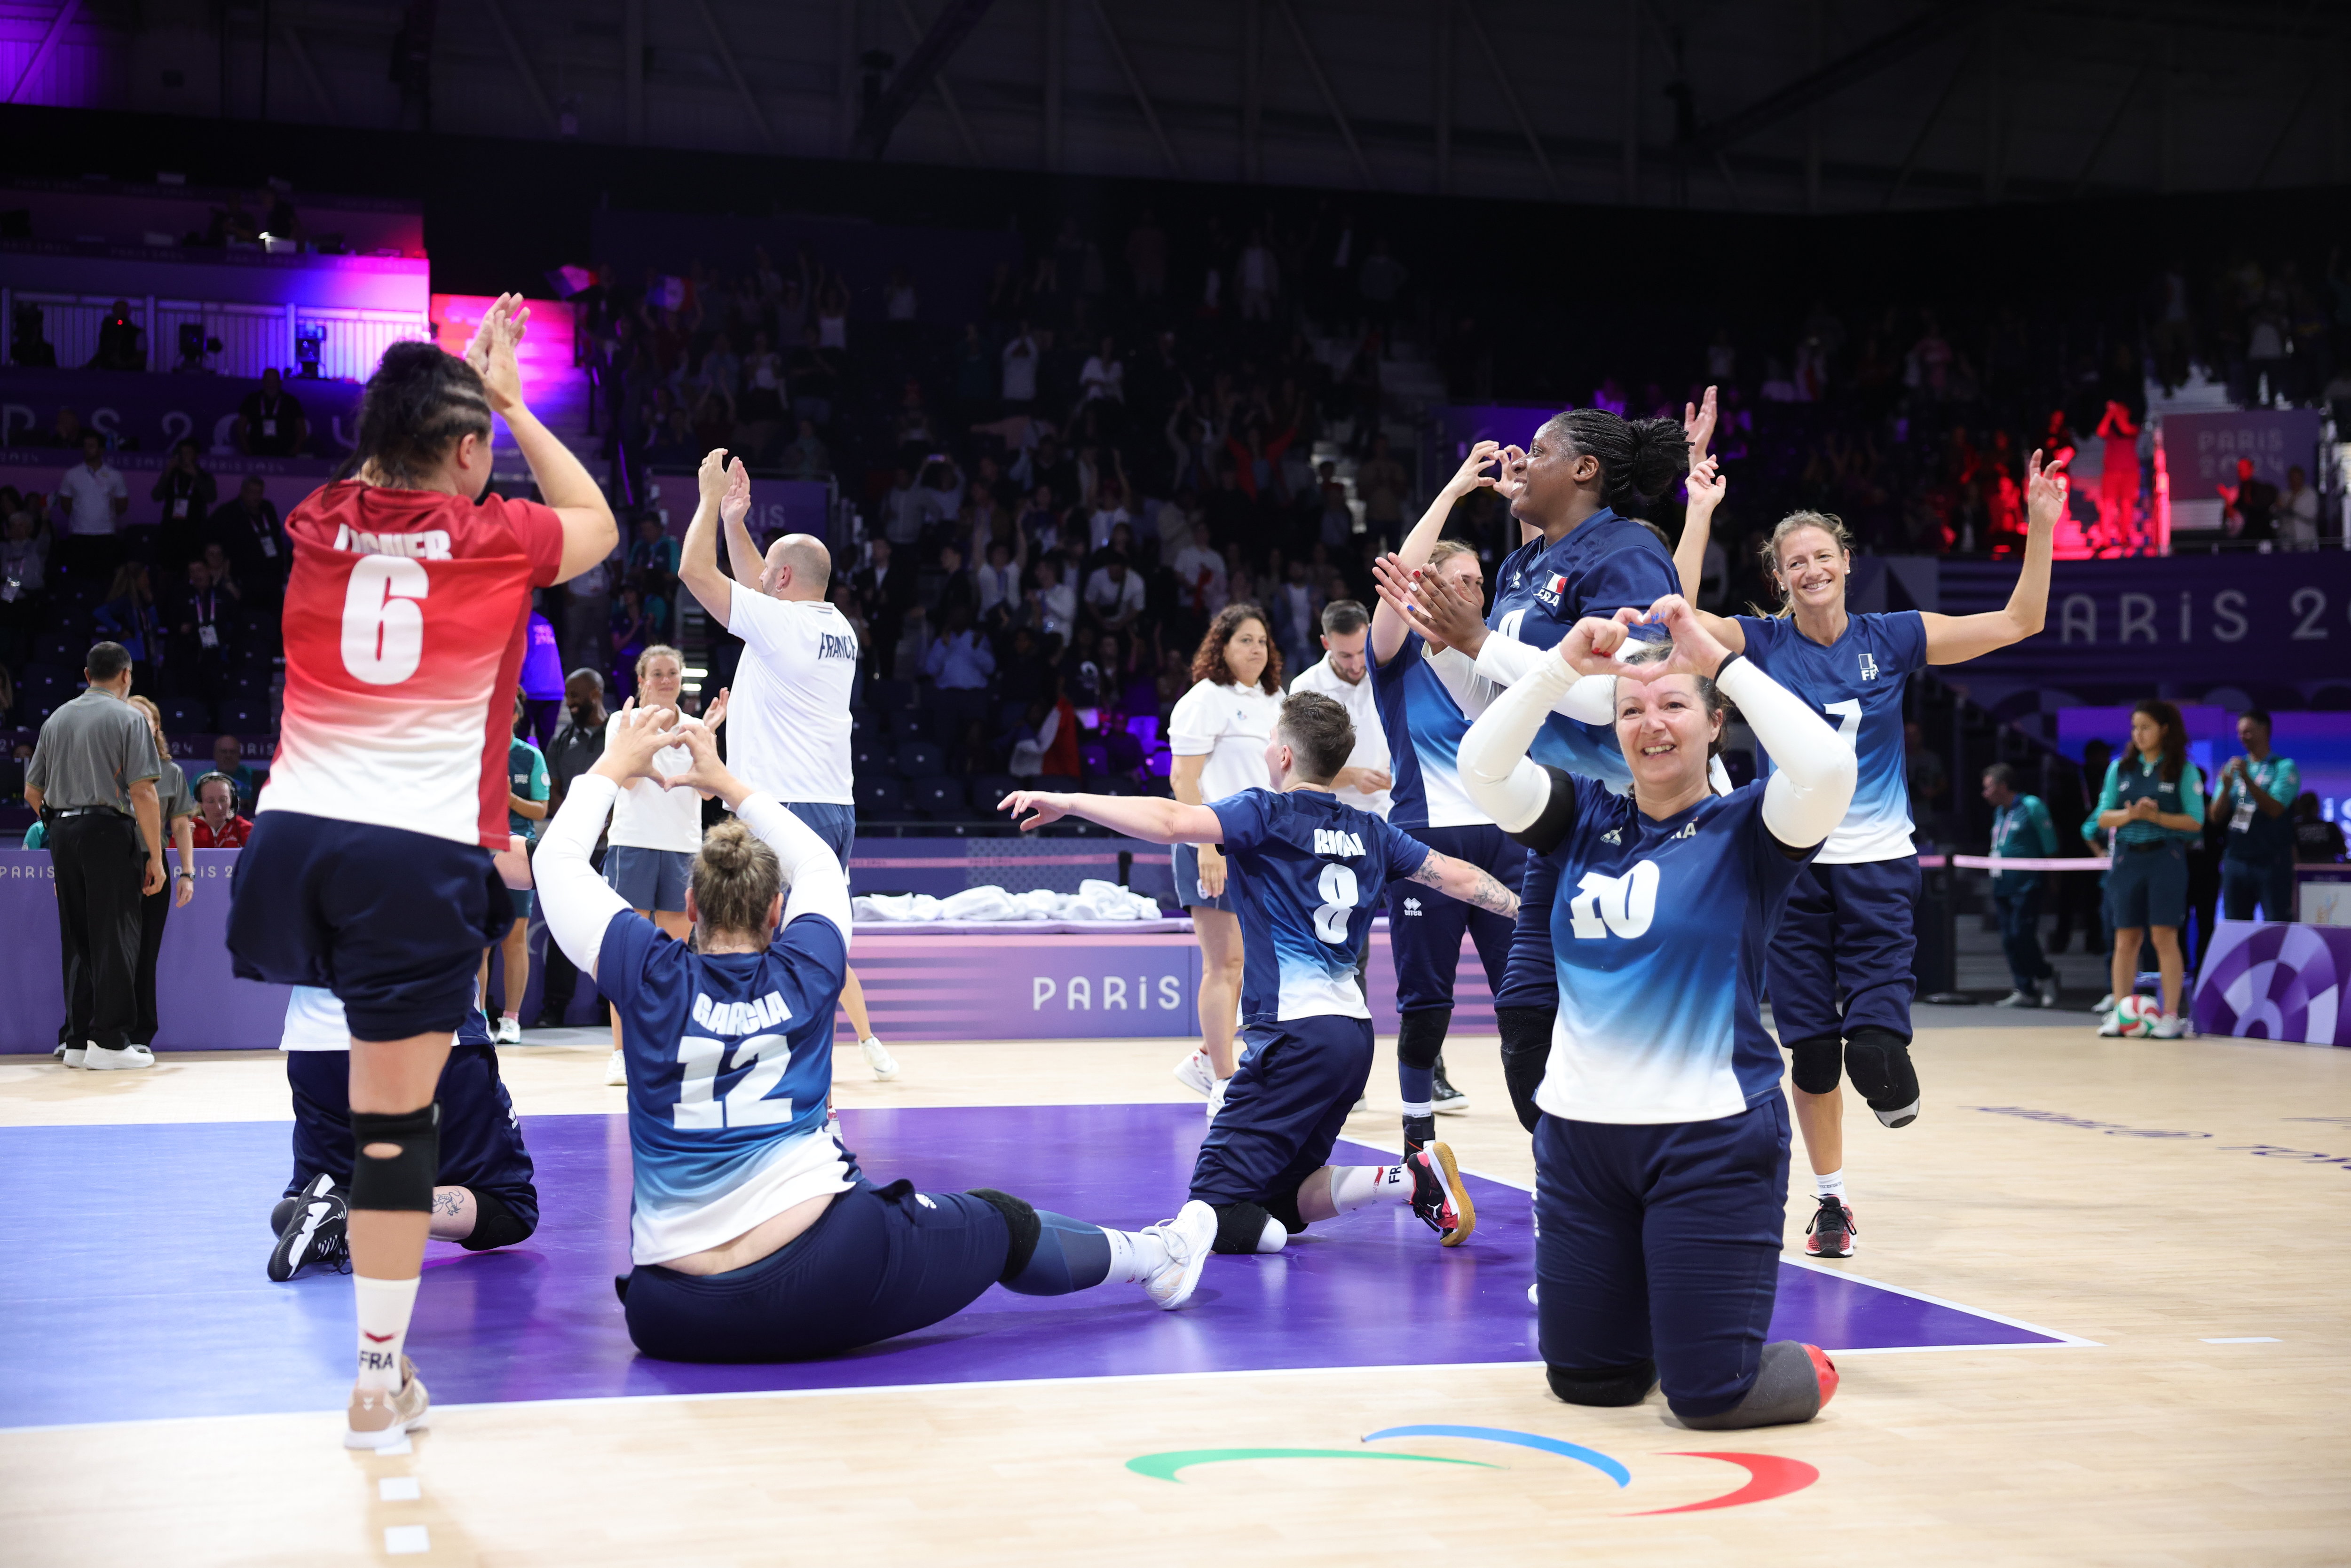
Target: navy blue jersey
1306,874
1606,563
1856,682
1423,725
729,1059
1659,931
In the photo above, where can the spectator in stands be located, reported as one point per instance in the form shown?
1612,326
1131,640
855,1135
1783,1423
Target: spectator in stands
93,498
631,634
177,811
121,342
574,750
588,616
187,495
959,665
65,432
24,566
1020,357
887,592
1053,601
218,825
2297,512
2250,506
1114,595
652,572
253,539
1383,484
1928,780
806,457
270,421
999,586
26,344
1297,612
228,762
128,616
206,627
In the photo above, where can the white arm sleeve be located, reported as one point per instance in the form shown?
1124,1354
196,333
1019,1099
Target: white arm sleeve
815,883
1502,780
1504,661
1815,769
577,902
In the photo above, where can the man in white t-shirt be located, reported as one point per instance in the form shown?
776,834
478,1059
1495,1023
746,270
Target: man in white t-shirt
788,713
93,498
1114,594
1344,675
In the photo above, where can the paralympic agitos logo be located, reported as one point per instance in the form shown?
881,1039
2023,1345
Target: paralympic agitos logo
1768,1475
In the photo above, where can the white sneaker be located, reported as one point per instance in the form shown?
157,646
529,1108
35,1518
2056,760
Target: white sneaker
1187,1239
879,1059
1531,1299
507,1032
2018,1000
2105,1004
2111,1026
2048,990
74,1055
617,1073
98,1059
2170,1025
1194,1073
1217,1096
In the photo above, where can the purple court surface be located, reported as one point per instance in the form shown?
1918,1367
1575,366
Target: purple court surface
154,1237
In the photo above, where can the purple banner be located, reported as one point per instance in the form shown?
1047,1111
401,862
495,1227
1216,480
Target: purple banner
2201,450
158,411
2187,618
2271,981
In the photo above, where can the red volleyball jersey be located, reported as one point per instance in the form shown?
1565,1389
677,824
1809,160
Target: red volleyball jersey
406,619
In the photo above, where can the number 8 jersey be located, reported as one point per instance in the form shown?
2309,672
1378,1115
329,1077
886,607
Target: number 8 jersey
406,614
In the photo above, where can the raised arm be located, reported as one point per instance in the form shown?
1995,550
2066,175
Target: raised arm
1390,628
1137,815
697,563
1473,661
742,550
1706,488
1955,639
815,882
564,483
1501,778
579,905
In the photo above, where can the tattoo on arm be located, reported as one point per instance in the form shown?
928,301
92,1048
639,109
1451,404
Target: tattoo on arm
1488,895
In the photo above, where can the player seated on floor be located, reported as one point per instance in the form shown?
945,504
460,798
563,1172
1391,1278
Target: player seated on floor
754,1235
482,1196
1308,873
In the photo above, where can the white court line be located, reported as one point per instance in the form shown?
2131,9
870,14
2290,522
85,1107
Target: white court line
398,1489
407,1540
2247,1339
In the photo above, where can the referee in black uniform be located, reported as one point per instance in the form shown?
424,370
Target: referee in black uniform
92,779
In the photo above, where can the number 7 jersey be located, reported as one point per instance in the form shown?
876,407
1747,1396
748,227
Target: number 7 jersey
1855,682
406,614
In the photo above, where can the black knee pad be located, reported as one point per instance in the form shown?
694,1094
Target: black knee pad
1420,1035
494,1224
1239,1226
1608,1386
1021,1220
1284,1208
1879,1062
282,1213
1526,1052
1790,1386
1816,1064
402,1183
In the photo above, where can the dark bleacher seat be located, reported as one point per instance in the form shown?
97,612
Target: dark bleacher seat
988,789
879,795
38,685
64,649
907,724
870,756
920,759
185,713
1056,783
1094,759
1124,750
890,696
937,797
241,715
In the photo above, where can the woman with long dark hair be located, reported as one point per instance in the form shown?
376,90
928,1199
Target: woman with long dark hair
2153,803
1218,733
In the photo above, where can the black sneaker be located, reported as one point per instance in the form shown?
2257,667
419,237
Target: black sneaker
1439,1194
1830,1234
1444,1098
314,1232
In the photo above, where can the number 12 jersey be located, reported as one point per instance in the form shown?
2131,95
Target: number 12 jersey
406,614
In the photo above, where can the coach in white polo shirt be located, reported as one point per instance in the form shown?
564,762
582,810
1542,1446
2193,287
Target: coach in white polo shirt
94,498
1343,675
787,714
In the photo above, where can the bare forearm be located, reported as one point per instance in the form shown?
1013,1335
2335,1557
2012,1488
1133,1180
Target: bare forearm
183,840
697,563
1138,816
150,813
742,550
533,810
1471,884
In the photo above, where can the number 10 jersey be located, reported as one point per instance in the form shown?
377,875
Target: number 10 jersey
406,613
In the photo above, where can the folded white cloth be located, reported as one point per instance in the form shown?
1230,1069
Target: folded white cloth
1094,900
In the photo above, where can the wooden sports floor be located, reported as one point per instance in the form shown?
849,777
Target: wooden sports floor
2180,1207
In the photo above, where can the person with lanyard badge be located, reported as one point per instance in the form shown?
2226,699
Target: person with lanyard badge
187,494
2021,830
1582,554
2153,803
178,812
1661,1153
1842,969
527,790
1217,734
754,1234
269,422
2256,793
1424,721
649,850
793,687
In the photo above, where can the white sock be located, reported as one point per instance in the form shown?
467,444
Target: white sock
1357,1186
511,1016
384,1308
1420,1108
1829,1186
1134,1256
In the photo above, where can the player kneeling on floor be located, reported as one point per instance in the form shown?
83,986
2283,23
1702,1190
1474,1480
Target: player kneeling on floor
1308,873
482,1197
755,1236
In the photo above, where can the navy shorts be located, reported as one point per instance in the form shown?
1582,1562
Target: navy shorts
649,879
2149,887
1847,932
481,1140
524,899
836,825
1425,926
2245,883
880,1261
392,922
1187,883
1288,1100
1662,1243
1530,976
